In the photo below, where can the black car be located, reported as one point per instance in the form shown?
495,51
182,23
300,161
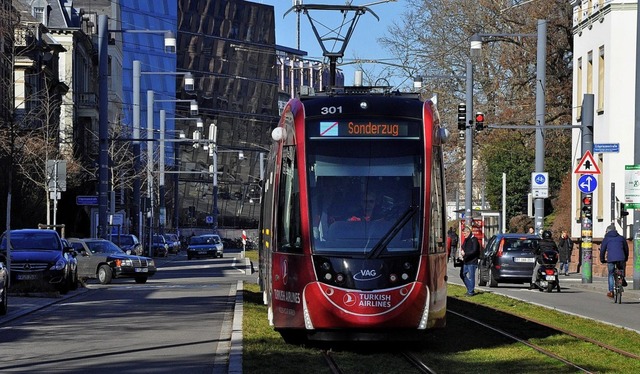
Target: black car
159,246
508,258
4,286
102,259
39,257
128,242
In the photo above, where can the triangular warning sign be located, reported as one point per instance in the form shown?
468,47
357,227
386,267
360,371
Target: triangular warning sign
587,165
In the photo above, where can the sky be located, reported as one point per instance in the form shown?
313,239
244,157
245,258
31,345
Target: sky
363,43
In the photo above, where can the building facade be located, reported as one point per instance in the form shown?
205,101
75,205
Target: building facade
605,66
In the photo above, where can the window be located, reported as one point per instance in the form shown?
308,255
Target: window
38,13
579,90
590,72
601,80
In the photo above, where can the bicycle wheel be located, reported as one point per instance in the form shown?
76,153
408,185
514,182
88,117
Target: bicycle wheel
617,295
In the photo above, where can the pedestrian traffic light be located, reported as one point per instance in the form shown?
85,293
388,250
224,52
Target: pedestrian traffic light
462,117
587,206
623,211
479,121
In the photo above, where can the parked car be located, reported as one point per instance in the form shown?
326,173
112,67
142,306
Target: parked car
159,246
102,259
73,261
508,258
4,286
209,245
128,242
39,257
173,242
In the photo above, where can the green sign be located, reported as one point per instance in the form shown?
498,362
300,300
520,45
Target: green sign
632,186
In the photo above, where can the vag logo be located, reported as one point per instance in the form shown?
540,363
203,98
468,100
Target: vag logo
366,275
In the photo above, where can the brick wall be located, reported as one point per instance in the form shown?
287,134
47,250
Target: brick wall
598,269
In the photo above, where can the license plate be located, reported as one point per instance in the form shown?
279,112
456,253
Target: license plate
550,277
141,270
524,259
27,276
202,252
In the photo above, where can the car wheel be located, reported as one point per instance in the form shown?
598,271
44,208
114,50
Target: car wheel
482,281
141,279
104,274
74,282
63,287
189,257
3,301
492,280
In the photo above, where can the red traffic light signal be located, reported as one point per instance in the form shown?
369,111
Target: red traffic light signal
479,121
586,200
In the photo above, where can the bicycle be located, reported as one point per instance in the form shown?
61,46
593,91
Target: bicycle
618,284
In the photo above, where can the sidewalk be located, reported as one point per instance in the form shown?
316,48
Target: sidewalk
598,284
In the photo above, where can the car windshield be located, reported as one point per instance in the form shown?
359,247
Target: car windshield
123,240
103,247
32,241
198,240
519,244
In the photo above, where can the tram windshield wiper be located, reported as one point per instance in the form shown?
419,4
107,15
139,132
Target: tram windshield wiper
393,231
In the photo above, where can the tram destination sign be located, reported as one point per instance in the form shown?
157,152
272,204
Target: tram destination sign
364,128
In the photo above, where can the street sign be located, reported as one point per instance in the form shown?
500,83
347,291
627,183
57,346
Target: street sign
587,165
87,200
632,186
606,147
209,219
587,183
540,185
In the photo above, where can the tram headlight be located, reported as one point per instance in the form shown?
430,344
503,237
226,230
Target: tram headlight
340,278
328,276
393,278
405,276
326,266
406,265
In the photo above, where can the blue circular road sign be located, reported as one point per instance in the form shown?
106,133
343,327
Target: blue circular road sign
587,183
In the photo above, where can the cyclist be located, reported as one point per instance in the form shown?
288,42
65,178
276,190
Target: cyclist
614,251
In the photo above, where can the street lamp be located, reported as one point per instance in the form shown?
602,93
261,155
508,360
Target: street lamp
541,63
103,125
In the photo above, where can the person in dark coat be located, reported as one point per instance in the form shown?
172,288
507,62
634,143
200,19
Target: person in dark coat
565,246
614,251
470,252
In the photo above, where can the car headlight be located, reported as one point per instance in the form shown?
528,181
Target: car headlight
126,262
60,264
152,263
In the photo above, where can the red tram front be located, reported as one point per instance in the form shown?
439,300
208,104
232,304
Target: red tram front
354,223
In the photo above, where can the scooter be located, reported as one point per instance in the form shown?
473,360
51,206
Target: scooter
547,276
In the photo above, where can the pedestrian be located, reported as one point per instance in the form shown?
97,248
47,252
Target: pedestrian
469,252
614,252
452,244
565,246
545,244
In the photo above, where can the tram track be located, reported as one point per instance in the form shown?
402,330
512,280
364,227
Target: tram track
541,349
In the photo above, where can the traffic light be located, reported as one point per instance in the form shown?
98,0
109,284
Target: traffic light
462,117
587,206
623,211
479,121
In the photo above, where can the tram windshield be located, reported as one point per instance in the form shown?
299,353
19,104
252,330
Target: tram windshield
365,195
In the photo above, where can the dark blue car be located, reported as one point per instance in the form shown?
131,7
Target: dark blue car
508,258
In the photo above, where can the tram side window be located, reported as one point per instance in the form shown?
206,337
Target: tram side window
437,204
289,232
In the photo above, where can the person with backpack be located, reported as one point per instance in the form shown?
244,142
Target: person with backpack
614,251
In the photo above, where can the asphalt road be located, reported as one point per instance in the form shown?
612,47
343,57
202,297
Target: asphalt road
179,321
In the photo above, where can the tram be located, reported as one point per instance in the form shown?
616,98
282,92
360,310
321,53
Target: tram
353,223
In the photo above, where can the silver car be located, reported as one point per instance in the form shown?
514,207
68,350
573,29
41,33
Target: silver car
205,246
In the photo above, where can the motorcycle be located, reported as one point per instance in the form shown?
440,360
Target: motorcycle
547,275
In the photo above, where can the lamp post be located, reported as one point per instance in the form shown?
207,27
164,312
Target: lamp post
189,85
103,126
541,63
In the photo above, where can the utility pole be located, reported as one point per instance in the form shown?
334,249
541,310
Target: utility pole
586,215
